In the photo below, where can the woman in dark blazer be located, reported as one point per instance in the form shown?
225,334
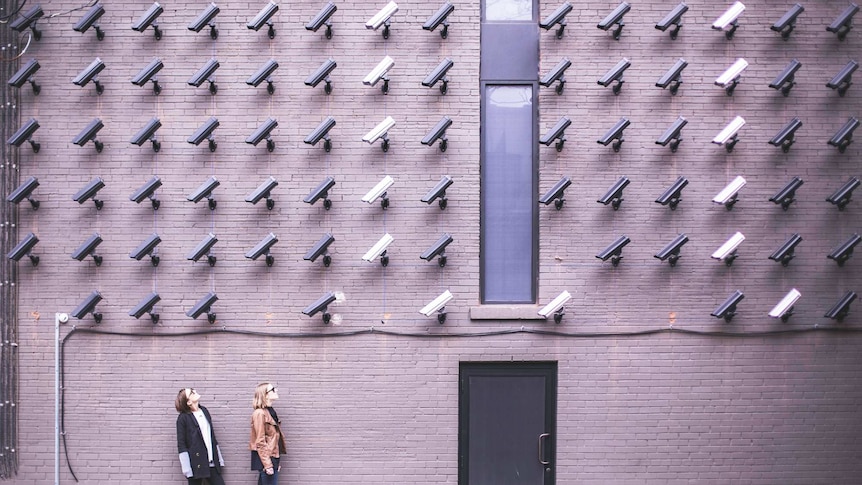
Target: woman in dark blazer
200,456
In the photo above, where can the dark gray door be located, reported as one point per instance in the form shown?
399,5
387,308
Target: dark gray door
507,418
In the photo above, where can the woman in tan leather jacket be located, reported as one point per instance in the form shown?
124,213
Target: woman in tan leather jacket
266,442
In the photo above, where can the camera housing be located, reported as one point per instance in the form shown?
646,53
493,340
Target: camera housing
25,74
263,132
383,18
438,132
842,24
842,196
673,135
206,18
320,306
729,135
147,248
89,20
729,79
89,74
727,252
263,247
844,136
439,18
25,133
438,192
264,73
787,22
89,306
438,250
379,192
615,74
378,73
672,196
205,132
558,133
557,17
615,18
323,18
322,133
784,82
89,133
204,305
147,191
149,18
89,191
205,74
380,131
439,74
148,132
843,252
88,248
204,247
264,191
321,191
379,250
674,17
614,251
322,74
146,306
205,190
25,191
787,195
728,196
556,306
438,306
784,254
264,17
841,82
319,249
556,193
729,20
557,74
27,20
148,73
673,76
784,308
25,248
841,308
615,135
785,137
670,252
614,195
727,310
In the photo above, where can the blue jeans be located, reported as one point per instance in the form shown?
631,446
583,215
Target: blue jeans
264,479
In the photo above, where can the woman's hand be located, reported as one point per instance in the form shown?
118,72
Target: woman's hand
269,471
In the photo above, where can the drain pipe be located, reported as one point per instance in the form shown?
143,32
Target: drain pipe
58,319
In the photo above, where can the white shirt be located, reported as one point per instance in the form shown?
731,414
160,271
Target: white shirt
205,431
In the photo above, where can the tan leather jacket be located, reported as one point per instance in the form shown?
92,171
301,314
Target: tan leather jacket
266,438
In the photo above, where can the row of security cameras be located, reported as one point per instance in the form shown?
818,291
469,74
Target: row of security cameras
728,137
205,132
783,310
207,19
728,80
263,192
728,21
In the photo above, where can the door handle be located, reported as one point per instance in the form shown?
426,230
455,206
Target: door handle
542,438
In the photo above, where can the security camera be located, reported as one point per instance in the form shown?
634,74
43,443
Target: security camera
147,73
672,196
673,135
557,17
729,79
727,251
323,18
787,22
89,306
785,80
841,81
558,133
24,191
379,250
146,306
673,77
729,20
382,18
89,74
784,308
322,74
204,247
728,137
842,307
320,306
615,74
438,192
28,21
378,73
147,191
90,19
615,134
263,191
379,192
438,18
205,190
89,133
319,249
614,251
843,137
438,306
841,25
147,248
321,191
205,132
148,132
841,197
438,132
322,133
25,248
25,133
149,18
204,305
439,74
784,254
207,17
615,18
670,252
555,307
556,74
727,310
262,248
674,17
205,74
787,195
264,17
785,137
24,75
556,193
264,74
843,252
89,191
614,195
263,132
88,248
380,131
728,195
438,249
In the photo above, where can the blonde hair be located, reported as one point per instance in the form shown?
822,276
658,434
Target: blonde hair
260,400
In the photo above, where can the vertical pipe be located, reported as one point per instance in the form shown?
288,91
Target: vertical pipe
58,317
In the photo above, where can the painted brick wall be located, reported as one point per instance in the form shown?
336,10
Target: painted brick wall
379,408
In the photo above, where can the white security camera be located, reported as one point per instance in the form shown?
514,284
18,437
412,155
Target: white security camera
728,136
729,20
382,18
727,251
379,250
784,308
729,79
378,191
437,305
556,306
728,195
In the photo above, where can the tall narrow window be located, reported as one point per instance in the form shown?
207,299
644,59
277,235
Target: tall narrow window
509,151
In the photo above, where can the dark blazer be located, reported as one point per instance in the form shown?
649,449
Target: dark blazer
190,442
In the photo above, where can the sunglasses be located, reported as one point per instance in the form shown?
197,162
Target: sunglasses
274,389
